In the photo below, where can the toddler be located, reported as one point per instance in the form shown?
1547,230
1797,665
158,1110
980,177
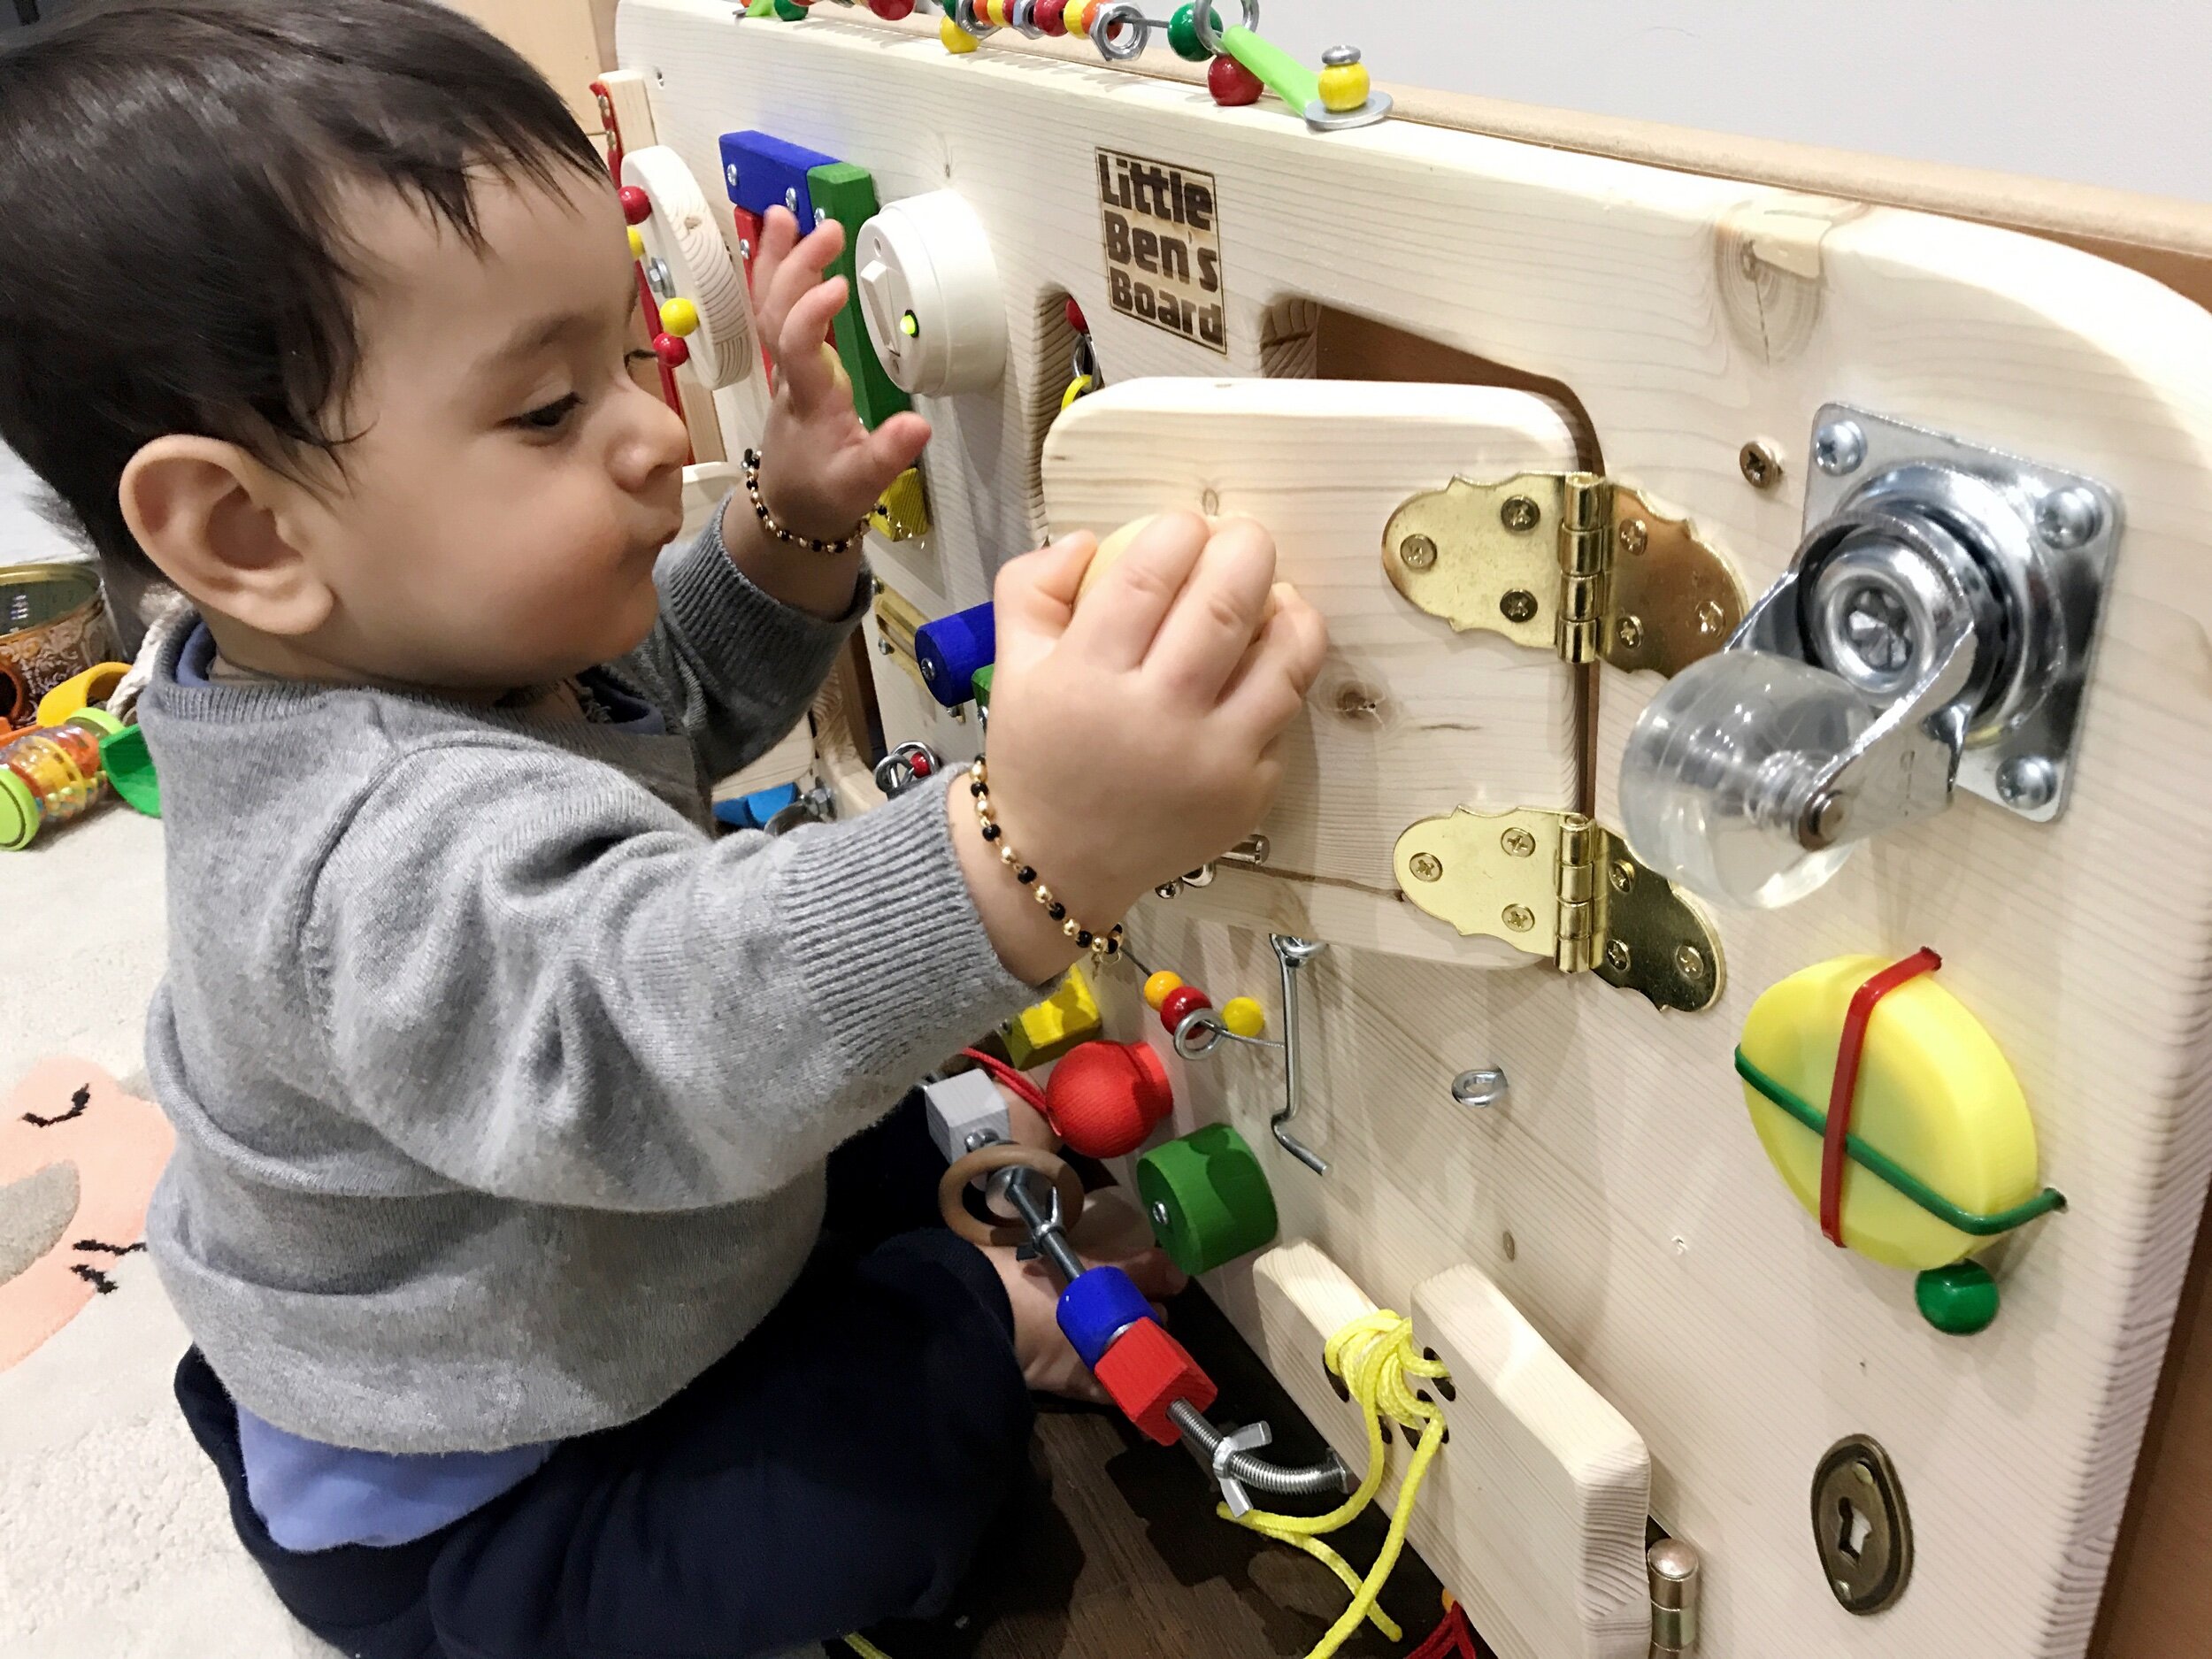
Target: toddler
504,1093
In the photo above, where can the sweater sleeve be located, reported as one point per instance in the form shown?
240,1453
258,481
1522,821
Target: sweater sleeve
539,982
734,668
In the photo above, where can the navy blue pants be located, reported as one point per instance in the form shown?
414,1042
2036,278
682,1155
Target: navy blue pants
832,1471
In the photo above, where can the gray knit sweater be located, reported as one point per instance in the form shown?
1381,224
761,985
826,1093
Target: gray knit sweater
502,1088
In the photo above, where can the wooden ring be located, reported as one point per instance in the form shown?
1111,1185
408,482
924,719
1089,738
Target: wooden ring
1004,1155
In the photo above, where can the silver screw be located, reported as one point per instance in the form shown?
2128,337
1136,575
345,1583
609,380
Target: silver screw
1418,551
1483,1087
2068,518
1341,56
1161,1218
791,198
730,173
977,1139
1839,447
1875,626
2027,782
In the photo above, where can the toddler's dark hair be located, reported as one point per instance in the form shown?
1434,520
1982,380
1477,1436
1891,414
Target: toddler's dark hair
173,254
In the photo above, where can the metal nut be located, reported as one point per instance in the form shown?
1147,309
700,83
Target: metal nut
1520,515
1520,918
1426,867
1762,468
1418,551
1481,1088
1519,605
1518,844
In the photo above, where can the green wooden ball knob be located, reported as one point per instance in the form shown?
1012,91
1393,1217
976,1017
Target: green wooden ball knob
790,11
1207,1197
1182,33
1959,1300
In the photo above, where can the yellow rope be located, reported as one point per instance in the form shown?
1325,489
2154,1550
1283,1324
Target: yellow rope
866,1648
1374,1355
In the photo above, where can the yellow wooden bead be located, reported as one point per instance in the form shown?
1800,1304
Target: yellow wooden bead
1156,987
1343,88
956,39
996,12
637,243
1077,16
1243,1016
680,317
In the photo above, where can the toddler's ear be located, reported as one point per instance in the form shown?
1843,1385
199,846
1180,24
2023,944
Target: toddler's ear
208,515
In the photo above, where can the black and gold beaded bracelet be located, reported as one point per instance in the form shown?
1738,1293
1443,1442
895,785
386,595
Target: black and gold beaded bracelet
1102,947
813,544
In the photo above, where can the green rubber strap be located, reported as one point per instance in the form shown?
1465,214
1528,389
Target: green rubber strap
761,9
1277,70
1891,1175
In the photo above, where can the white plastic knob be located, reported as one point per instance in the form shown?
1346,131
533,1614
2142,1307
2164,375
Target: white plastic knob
684,238
929,292
1721,767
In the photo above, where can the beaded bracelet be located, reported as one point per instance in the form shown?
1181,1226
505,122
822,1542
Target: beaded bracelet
813,544
1102,947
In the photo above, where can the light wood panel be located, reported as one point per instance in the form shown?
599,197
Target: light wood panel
1619,1198
562,38
1408,719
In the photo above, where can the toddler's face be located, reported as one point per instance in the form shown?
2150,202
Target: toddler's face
498,517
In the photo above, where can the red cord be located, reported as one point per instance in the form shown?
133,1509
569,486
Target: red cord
1843,1091
1453,1639
1007,1075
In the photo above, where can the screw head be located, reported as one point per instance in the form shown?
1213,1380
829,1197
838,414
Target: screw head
1520,515
1518,606
1518,844
1689,962
1838,447
1622,875
1877,626
2027,782
1507,1247
2068,518
1617,956
1826,815
1520,918
1630,632
1708,617
1635,536
791,198
1418,551
730,173
1426,867
1762,468
1161,1218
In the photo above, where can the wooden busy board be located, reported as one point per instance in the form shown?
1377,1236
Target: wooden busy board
1618,1197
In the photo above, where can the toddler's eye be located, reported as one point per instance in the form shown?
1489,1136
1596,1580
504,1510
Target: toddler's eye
641,356
550,417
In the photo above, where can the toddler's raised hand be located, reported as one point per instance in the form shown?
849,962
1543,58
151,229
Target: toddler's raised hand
821,469
1133,739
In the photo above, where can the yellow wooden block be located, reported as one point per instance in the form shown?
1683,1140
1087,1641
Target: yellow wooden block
1049,1029
903,512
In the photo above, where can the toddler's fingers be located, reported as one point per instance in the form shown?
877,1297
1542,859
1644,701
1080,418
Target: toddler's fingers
1215,618
1122,614
778,234
807,374
1034,597
1270,686
884,453
779,290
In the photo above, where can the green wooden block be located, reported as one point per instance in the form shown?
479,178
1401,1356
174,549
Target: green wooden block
847,193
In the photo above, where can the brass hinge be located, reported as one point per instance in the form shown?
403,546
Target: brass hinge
896,624
1568,560
1557,885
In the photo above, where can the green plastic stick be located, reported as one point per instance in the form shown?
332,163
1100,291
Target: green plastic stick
1890,1174
1278,71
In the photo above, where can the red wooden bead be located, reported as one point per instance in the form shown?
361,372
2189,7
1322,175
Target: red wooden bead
1104,1098
1176,1005
1231,83
1051,16
1146,1371
637,207
670,350
892,10
1075,319
919,765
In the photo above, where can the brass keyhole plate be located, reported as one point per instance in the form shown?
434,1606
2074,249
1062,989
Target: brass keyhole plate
1860,1526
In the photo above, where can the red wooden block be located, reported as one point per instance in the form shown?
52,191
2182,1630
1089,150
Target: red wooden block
1147,1371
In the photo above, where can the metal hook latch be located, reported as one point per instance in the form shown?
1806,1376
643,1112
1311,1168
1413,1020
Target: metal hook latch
1293,953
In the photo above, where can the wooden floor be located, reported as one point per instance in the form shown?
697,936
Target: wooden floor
1120,1556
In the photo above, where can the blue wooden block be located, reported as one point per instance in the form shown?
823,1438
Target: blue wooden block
761,172
753,811
950,649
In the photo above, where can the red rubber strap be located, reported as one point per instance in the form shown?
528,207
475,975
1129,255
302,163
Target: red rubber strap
1007,1075
1844,1090
1453,1639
